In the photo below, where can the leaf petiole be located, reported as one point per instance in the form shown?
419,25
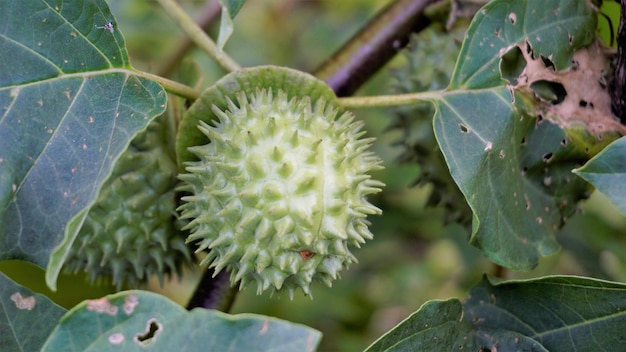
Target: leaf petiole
389,100
198,36
171,86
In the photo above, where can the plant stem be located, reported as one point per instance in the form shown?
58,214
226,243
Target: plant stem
617,86
389,100
208,15
213,292
499,271
198,36
172,86
373,46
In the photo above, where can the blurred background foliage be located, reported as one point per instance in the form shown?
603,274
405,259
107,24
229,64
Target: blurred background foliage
420,251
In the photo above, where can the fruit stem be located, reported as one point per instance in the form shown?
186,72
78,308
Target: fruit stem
208,14
198,36
390,100
172,86
213,292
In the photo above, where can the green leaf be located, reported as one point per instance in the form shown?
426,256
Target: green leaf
70,104
435,326
140,320
607,173
230,8
26,318
554,29
513,169
562,313
518,316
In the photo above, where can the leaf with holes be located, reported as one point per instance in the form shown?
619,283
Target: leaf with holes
504,316
29,316
513,168
140,320
69,105
607,172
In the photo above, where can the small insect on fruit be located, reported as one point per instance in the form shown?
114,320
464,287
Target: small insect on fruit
306,254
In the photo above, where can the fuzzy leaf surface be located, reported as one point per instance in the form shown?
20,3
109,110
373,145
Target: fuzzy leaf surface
607,173
69,105
144,321
504,316
26,318
512,171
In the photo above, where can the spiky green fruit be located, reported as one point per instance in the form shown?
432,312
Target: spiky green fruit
130,232
278,196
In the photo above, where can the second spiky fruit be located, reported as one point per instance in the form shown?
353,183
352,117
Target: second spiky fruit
131,232
279,194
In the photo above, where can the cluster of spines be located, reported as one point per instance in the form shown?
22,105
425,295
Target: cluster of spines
280,191
131,232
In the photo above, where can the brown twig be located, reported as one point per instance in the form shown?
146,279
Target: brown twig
373,46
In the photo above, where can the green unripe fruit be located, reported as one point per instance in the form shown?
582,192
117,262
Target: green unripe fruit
278,196
130,232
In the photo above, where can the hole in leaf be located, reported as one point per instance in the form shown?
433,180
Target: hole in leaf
548,63
523,142
512,17
547,157
564,142
153,328
554,92
529,50
602,81
463,128
512,63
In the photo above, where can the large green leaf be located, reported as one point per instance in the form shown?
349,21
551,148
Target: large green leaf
436,326
69,105
26,318
563,313
607,172
144,321
519,316
513,169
